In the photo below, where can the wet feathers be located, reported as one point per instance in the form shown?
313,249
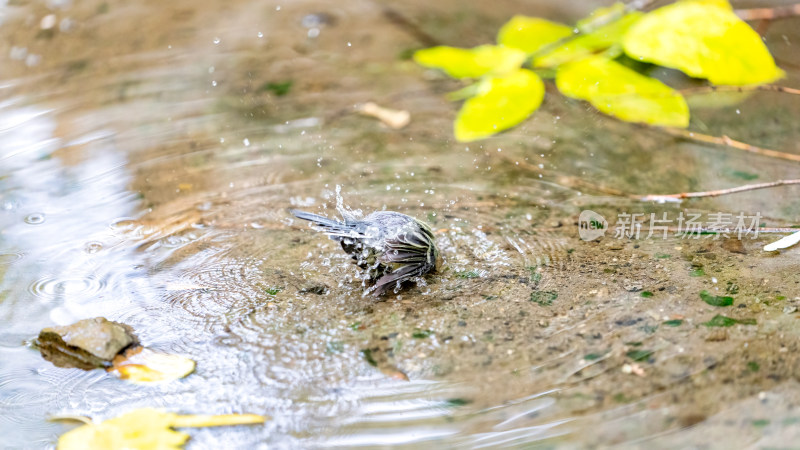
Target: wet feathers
391,247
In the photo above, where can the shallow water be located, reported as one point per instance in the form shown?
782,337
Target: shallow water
146,176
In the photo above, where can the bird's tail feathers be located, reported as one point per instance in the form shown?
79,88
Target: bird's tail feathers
327,225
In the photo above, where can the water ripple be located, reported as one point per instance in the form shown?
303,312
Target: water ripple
10,258
53,287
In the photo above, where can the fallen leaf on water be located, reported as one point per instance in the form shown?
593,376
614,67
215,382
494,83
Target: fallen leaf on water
142,365
204,420
146,429
392,118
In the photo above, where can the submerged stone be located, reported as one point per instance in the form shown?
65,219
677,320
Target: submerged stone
86,344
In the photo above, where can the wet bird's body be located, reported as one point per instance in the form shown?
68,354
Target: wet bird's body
392,247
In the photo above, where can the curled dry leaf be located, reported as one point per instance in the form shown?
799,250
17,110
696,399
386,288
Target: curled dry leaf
142,365
394,373
392,118
146,429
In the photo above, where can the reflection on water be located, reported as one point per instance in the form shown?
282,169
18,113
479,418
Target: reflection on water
147,169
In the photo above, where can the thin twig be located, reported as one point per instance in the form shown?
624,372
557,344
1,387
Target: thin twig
715,193
728,142
778,12
758,87
408,26
696,230
635,5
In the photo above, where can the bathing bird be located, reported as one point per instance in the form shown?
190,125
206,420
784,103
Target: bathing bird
391,247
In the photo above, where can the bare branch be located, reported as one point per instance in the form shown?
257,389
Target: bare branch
396,18
728,142
634,5
779,12
677,197
758,87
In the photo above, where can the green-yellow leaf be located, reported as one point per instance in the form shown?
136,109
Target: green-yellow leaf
530,34
145,429
465,92
471,63
501,103
598,40
705,40
623,93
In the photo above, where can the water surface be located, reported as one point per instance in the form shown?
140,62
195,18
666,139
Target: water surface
146,174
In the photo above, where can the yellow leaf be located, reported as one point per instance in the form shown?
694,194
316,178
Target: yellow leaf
623,93
501,103
530,34
201,420
142,365
705,40
598,40
144,429
471,63
139,429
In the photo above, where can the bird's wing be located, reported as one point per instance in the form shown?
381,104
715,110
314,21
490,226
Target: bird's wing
410,247
398,276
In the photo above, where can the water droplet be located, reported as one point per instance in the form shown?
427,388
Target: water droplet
246,142
260,34
34,219
93,247
214,82
313,32
18,53
48,22
65,25
33,60
217,40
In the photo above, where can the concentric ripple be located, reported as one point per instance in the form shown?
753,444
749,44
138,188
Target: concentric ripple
10,258
54,287
216,289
